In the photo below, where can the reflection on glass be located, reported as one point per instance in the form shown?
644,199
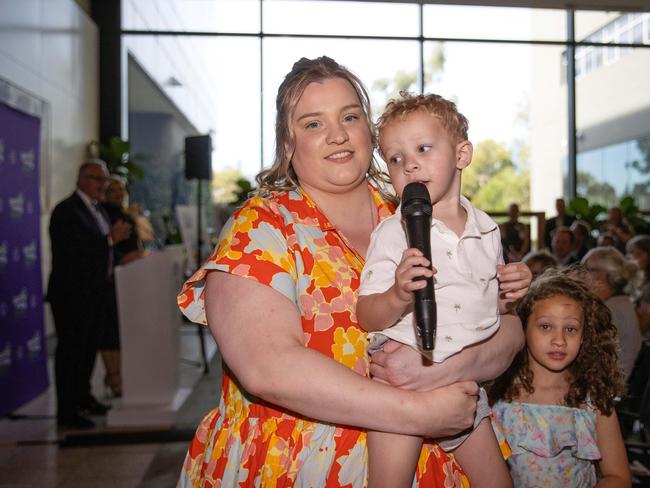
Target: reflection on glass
607,174
212,88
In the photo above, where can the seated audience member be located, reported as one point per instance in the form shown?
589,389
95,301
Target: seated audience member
581,232
515,236
563,244
643,311
561,220
619,226
606,239
614,279
538,261
638,248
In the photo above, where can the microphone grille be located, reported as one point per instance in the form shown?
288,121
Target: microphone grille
415,199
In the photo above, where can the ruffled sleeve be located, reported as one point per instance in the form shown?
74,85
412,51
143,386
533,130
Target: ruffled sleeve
253,244
546,430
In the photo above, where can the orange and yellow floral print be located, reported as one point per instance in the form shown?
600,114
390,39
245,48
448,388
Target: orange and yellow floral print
349,346
285,242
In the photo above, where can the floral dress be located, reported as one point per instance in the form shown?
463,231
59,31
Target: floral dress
552,445
286,242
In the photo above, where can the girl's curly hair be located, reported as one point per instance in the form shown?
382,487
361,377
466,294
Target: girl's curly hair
595,373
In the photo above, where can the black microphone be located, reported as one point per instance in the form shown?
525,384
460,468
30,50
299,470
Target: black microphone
416,214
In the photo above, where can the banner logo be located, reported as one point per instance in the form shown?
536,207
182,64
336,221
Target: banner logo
20,303
17,206
34,346
29,255
5,357
4,254
27,161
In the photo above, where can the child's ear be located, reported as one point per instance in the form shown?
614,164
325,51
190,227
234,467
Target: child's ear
464,151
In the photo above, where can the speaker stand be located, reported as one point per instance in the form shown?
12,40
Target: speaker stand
199,261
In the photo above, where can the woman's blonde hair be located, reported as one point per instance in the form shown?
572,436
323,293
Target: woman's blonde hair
621,275
281,175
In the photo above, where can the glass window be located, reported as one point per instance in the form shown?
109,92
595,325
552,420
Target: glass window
192,15
383,66
607,174
206,80
469,22
614,136
340,18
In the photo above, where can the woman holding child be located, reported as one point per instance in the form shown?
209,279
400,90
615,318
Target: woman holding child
296,397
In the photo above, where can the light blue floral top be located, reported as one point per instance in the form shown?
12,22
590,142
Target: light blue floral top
552,445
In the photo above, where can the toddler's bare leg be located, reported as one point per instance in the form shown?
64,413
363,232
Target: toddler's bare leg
481,458
392,459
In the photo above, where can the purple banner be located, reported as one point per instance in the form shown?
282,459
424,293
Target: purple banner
23,355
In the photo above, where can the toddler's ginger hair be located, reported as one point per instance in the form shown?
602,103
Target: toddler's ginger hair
452,120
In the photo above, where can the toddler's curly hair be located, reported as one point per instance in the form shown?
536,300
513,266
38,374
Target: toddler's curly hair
595,373
451,119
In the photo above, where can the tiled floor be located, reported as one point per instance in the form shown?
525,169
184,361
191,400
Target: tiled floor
30,454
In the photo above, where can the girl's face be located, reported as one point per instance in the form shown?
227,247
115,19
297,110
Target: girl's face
554,333
332,148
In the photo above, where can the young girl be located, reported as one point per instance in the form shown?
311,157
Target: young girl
555,404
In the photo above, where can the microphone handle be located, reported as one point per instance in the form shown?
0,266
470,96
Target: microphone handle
418,228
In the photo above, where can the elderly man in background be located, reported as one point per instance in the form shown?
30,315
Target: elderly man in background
79,290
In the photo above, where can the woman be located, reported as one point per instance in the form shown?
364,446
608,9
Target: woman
295,396
638,248
614,279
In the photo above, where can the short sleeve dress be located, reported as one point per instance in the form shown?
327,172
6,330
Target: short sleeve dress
284,241
552,445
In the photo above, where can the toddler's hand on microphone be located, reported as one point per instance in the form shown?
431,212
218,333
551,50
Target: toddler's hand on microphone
412,266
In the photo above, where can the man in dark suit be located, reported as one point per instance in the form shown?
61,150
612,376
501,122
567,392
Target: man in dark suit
79,290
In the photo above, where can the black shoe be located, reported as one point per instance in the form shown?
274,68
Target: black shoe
93,407
75,421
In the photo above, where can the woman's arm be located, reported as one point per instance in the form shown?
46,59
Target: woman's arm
401,366
260,338
613,465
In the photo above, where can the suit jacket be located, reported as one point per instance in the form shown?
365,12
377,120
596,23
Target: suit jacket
80,254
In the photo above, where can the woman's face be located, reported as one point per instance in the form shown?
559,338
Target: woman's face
640,256
596,278
332,148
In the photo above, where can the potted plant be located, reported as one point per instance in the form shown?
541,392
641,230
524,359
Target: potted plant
118,158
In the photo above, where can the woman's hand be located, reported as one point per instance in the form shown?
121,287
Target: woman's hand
450,409
400,365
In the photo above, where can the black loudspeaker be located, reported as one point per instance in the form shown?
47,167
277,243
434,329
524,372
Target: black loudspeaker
198,157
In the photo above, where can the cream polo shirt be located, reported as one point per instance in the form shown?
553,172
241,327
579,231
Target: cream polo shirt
466,286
